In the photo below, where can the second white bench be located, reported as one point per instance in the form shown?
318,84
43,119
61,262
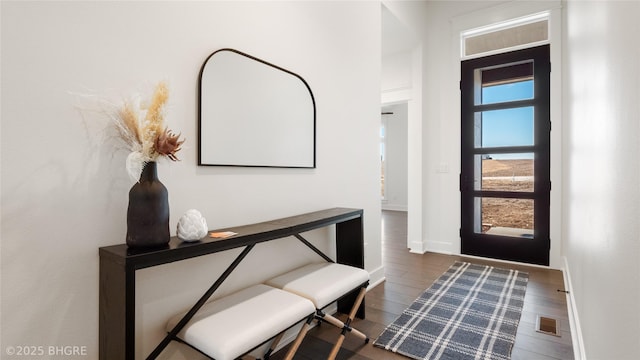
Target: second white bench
323,284
234,325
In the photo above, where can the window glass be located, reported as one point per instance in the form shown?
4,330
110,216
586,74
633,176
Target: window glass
505,172
507,127
505,217
521,90
480,42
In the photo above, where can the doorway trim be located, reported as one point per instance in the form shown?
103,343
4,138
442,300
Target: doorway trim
505,12
413,97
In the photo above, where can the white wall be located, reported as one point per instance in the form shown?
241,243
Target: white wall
396,73
64,188
435,197
402,82
396,135
602,173
397,92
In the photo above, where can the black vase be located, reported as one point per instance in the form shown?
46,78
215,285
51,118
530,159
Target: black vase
148,212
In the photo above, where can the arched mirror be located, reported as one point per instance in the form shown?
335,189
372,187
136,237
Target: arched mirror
253,113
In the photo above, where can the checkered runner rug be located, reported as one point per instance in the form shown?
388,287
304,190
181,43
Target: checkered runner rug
471,312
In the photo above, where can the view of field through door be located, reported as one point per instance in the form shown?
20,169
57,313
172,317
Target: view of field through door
504,180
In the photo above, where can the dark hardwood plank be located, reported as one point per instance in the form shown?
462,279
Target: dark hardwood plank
408,275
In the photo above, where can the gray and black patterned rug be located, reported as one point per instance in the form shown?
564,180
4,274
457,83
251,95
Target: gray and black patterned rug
470,312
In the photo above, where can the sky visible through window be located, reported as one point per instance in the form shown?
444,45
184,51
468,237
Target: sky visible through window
508,127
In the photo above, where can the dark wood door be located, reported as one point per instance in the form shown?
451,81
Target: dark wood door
504,180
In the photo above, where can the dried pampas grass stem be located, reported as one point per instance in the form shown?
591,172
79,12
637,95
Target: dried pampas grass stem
142,129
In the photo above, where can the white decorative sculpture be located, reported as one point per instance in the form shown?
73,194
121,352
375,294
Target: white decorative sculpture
192,226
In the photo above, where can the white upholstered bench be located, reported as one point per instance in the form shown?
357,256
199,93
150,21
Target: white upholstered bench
234,325
323,284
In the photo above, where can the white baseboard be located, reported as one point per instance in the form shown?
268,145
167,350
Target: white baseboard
574,320
376,277
393,207
421,247
416,247
440,247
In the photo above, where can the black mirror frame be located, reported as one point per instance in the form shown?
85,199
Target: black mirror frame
313,101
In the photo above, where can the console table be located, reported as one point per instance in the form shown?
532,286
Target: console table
118,265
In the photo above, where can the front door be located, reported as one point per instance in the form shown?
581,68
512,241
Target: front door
504,180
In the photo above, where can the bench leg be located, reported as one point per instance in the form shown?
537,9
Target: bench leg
346,326
273,346
299,338
339,324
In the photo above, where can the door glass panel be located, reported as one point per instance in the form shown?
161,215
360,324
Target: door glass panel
508,127
504,217
504,172
521,90
505,83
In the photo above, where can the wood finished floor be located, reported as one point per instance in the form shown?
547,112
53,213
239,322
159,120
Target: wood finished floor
408,275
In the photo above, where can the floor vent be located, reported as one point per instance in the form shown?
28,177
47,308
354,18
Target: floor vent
547,325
